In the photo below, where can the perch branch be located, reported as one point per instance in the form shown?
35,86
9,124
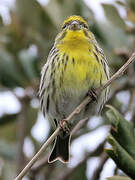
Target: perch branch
69,118
43,161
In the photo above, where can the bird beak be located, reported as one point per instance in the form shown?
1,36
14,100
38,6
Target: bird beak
75,26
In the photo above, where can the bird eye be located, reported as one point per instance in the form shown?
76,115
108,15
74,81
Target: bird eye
64,26
84,25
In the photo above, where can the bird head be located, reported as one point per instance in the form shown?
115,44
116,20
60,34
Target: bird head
74,23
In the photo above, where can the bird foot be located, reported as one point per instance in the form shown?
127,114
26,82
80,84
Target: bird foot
64,125
92,93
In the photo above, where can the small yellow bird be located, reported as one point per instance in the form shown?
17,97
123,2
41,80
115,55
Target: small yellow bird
75,66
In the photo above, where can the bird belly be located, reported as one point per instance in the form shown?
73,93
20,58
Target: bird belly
73,80
78,74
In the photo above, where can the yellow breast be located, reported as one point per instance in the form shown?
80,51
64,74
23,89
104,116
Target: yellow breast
80,69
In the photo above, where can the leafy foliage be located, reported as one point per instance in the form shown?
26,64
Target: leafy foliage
122,139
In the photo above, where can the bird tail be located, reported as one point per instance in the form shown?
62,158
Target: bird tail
60,150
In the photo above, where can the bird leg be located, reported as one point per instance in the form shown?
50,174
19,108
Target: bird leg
92,93
64,125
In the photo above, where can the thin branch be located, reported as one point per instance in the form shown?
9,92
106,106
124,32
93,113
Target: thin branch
21,132
21,123
37,155
43,161
69,118
39,165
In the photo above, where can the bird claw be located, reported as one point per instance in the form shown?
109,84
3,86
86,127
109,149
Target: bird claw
92,93
64,127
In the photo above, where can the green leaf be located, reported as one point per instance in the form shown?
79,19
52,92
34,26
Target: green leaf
122,139
6,118
27,62
1,21
113,15
7,150
80,173
131,15
8,131
9,128
9,75
121,157
34,16
122,130
118,178
131,4
32,114
63,9
9,170
120,3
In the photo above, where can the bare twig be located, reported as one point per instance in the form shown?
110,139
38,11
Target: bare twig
39,164
36,157
43,161
20,135
76,111
21,126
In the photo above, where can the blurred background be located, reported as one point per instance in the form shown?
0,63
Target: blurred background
27,32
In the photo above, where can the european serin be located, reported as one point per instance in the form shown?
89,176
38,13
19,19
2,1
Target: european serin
75,66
